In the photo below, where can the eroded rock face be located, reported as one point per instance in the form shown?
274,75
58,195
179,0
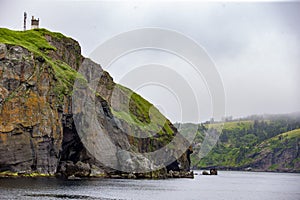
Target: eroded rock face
279,159
30,128
2,51
37,130
78,169
177,158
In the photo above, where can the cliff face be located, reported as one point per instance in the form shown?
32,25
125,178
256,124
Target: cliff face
37,131
30,129
280,153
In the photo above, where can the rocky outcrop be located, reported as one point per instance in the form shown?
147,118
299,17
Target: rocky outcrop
30,126
37,130
279,154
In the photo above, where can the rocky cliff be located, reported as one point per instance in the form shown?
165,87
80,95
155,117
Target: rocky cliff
38,135
280,153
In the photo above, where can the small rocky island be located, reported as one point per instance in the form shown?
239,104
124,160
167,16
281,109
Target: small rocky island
37,132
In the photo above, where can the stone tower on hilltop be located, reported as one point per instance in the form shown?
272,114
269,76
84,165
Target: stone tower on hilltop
34,23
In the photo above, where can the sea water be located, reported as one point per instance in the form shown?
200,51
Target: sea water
226,185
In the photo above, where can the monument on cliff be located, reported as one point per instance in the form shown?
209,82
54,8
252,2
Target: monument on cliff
34,23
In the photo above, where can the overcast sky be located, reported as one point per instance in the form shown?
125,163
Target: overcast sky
255,46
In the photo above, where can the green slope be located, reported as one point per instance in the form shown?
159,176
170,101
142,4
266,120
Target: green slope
262,144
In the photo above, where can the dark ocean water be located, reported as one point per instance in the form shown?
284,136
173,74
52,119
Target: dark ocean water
227,185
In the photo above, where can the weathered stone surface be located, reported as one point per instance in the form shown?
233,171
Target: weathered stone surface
30,132
97,171
79,169
2,51
3,93
67,50
132,162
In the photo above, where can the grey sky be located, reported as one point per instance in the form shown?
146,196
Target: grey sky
255,46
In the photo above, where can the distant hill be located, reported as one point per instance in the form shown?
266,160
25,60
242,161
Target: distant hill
259,143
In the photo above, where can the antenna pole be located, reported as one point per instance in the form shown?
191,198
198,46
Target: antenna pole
25,17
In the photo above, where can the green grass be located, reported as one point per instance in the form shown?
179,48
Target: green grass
27,174
277,140
141,113
66,77
138,107
231,125
56,35
33,40
125,116
292,134
273,167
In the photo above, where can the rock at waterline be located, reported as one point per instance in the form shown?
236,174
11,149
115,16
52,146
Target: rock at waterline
211,172
205,173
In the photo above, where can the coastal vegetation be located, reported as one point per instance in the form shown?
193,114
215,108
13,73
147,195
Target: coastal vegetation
263,143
